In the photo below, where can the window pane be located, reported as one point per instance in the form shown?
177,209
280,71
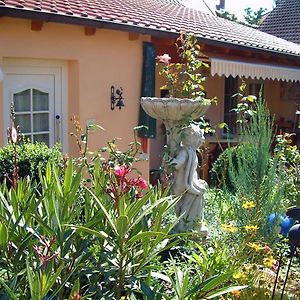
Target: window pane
22,101
40,122
40,100
24,122
41,138
255,88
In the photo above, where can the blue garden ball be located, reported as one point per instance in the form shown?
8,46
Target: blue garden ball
285,225
294,235
272,218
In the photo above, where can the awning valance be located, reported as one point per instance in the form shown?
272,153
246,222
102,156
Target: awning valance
253,70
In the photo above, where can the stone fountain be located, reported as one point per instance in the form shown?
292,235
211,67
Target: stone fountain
183,143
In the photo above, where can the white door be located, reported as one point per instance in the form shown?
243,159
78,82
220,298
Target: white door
39,101
33,99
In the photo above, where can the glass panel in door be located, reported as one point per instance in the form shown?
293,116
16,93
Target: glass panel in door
40,122
22,101
33,115
40,100
44,138
23,120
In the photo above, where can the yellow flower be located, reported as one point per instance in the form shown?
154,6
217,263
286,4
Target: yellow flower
239,275
255,246
251,228
268,261
248,204
229,228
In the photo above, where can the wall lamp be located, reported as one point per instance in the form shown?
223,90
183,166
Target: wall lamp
116,98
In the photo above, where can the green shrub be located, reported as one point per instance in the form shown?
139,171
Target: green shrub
219,174
29,158
252,179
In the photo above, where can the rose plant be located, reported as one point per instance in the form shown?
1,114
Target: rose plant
184,79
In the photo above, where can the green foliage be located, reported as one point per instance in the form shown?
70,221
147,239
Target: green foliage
49,238
90,229
256,176
227,15
186,280
30,157
251,17
253,185
254,17
289,157
219,173
41,254
254,181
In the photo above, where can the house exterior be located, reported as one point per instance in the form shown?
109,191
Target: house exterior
60,59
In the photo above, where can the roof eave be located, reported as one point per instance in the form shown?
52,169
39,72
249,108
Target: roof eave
108,24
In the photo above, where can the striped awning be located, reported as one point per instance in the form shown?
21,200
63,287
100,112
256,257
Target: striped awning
255,71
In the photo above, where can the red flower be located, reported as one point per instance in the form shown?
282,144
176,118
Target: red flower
164,58
142,183
121,171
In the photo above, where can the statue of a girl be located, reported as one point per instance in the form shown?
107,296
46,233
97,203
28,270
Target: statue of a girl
188,184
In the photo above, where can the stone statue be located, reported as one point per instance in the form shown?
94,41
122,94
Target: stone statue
188,184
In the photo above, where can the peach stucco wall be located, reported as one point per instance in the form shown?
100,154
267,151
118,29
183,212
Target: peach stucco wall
280,107
94,64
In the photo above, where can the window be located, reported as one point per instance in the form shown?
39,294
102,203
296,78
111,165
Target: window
255,88
32,114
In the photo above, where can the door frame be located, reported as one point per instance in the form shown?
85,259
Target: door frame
58,69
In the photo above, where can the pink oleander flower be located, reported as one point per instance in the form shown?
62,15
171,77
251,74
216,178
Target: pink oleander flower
139,183
142,183
164,58
121,171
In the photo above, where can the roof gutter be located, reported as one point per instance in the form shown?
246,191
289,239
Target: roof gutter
123,26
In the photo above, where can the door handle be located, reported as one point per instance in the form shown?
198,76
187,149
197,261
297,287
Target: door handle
57,129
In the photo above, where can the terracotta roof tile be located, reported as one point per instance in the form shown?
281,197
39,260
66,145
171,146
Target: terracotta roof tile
160,15
284,21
